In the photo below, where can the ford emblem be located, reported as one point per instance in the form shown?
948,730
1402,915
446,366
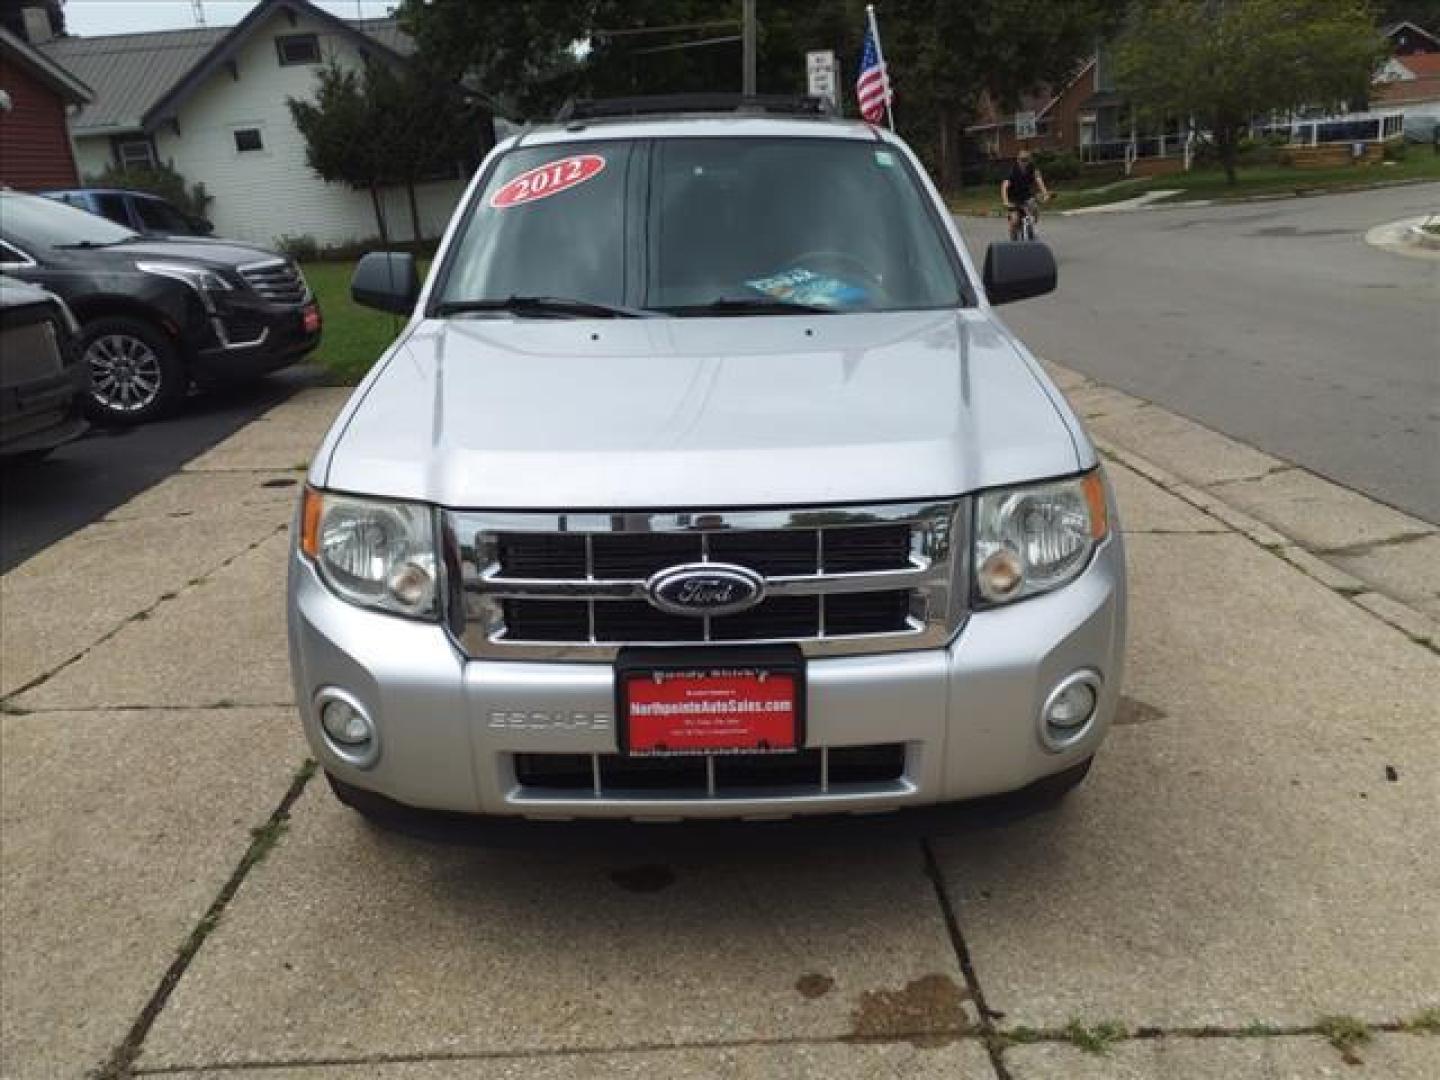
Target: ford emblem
705,589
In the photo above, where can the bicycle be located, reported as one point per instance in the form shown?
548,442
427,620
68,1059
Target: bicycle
1024,229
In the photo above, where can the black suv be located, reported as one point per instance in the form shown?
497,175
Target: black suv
158,315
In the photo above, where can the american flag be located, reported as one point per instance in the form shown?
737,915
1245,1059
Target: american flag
872,88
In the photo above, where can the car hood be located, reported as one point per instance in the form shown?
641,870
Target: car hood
711,412
212,254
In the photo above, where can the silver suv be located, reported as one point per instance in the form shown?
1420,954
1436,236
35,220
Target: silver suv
704,482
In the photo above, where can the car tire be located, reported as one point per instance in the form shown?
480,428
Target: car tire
375,809
1050,792
136,374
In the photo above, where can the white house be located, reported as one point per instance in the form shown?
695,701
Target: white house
212,102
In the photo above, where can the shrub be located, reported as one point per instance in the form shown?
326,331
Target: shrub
1058,166
303,248
1396,150
159,179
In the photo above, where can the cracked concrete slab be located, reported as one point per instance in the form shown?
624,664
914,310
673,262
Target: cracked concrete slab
1182,446
1407,570
349,942
1225,862
1145,507
219,642
795,1061
1289,1057
186,494
119,830
1319,514
73,593
283,439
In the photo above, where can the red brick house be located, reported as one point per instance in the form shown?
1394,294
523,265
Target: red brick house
1056,117
35,97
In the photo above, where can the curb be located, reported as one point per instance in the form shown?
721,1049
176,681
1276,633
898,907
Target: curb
1277,196
1419,627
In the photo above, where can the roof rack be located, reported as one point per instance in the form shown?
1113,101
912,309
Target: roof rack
671,104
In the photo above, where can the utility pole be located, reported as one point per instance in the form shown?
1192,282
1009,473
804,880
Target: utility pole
197,9
747,48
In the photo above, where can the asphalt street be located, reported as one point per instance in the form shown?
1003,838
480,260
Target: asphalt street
1273,322
42,502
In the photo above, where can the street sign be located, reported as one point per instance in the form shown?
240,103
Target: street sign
823,77
1025,127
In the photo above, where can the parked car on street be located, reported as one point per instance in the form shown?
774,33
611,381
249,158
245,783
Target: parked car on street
139,210
704,482
42,382
157,316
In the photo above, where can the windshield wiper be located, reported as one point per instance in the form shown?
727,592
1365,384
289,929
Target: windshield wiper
544,305
750,305
89,245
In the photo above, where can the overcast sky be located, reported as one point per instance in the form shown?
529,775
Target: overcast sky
90,17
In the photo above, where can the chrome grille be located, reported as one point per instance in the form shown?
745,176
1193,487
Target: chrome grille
277,280
841,580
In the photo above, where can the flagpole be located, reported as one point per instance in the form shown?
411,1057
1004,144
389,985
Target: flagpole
880,56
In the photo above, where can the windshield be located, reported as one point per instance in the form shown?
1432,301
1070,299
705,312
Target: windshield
706,226
35,222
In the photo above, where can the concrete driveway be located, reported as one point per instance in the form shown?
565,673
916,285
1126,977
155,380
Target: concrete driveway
1246,887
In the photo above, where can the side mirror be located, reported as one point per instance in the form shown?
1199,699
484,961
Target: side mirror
203,226
386,280
1018,270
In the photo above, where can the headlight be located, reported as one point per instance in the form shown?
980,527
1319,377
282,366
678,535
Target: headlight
372,552
1033,539
198,278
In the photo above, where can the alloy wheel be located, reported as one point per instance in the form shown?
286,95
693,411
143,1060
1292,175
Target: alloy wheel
125,373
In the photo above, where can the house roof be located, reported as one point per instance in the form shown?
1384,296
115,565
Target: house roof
140,80
1421,65
1394,28
128,72
43,68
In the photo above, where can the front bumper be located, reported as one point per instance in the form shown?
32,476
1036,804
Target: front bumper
449,728
244,340
43,413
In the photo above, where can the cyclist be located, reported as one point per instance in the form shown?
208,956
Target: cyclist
1019,188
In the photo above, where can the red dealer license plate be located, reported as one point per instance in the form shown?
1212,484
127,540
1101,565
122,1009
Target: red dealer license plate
710,710
311,318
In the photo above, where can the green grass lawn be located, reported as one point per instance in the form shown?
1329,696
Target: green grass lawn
354,336
1420,164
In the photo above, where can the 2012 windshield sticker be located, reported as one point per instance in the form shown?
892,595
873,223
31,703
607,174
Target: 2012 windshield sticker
549,179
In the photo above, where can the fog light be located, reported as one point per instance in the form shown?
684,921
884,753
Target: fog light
1069,711
345,724
348,729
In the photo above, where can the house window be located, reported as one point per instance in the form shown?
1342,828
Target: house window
298,49
248,139
135,154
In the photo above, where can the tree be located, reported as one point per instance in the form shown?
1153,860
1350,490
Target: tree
158,179
529,55
377,126
338,127
1227,62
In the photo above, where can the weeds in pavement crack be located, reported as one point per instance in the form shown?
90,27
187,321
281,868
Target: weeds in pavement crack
1097,1039
1345,1034
139,616
994,1042
120,1064
1426,1020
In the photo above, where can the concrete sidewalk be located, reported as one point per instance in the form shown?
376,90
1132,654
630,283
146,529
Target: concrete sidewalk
1246,887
